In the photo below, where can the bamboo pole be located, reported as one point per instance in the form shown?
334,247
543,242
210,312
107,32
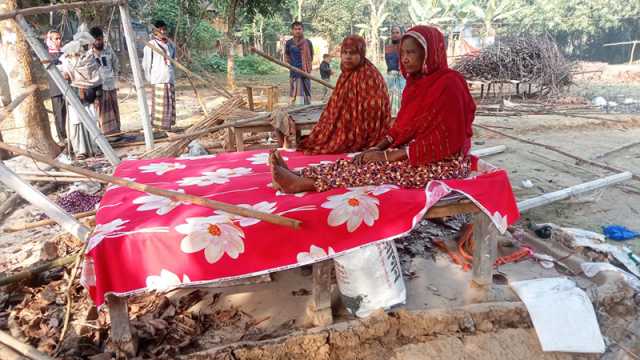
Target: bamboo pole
60,179
217,88
86,119
136,70
292,68
24,349
17,101
623,147
174,195
488,151
35,197
555,149
37,224
58,7
37,269
572,191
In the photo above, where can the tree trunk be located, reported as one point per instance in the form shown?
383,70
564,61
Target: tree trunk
376,19
22,71
299,16
231,44
4,154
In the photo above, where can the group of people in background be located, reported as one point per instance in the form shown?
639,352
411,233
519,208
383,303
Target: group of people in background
299,53
92,67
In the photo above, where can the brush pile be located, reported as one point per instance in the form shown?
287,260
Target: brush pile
535,60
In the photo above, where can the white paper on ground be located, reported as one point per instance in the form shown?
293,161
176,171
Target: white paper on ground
562,315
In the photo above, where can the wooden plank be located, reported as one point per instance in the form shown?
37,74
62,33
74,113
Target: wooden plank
24,349
440,211
38,199
572,191
37,224
89,123
122,339
138,81
485,248
58,7
322,314
250,98
239,138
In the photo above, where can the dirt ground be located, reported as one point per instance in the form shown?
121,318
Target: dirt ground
281,307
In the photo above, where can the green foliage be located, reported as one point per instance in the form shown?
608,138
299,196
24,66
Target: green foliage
254,65
212,63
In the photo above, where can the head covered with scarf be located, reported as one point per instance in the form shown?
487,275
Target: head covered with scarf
355,44
358,113
437,109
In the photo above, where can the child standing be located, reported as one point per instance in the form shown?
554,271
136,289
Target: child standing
325,72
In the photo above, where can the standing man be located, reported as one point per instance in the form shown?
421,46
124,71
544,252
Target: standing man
325,72
395,80
299,53
58,104
107,104
160,73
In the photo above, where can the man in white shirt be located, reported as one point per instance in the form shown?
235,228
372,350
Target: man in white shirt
107,104
161,74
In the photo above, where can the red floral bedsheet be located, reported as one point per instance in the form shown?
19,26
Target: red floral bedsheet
146,242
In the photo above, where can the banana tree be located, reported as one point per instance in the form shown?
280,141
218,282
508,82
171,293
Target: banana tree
493,11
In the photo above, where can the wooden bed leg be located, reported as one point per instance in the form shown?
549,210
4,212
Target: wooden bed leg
124,343
485,248
322,315
230,144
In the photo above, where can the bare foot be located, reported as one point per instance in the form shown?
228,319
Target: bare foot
288,182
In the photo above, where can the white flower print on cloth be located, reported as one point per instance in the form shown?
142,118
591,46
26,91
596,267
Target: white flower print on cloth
114,186
161,168
220,176
263,206
353,208
436,190
163,205
262,159
214,234
314,254
165,280
500,221
113,229
101,231
197,157
280,193
376,190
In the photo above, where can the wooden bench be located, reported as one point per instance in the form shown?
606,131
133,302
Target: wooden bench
266,95
484,254
305,119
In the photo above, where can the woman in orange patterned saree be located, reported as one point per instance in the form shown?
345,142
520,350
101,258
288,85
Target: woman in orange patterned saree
358,114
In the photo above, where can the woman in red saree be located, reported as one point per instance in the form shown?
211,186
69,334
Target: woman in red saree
358,113
430,139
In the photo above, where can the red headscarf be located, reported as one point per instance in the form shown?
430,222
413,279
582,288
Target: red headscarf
358,113
437,109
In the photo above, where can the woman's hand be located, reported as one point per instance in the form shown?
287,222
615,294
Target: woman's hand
367,156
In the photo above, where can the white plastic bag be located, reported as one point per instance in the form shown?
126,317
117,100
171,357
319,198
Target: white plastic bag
370,278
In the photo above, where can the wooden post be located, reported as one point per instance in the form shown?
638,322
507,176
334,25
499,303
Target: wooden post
136,69
250,98
121,335
86,119
239,139
322,314
485,248
633,51
35,197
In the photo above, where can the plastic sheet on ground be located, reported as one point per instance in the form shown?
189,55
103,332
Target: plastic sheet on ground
562,315
592,269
